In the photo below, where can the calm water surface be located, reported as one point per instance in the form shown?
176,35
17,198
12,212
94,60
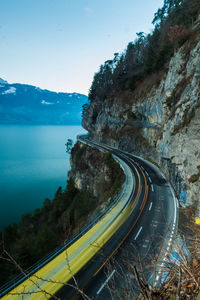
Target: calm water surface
33,164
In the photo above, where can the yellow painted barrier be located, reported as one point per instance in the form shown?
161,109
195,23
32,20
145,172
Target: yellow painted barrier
44,282
197,220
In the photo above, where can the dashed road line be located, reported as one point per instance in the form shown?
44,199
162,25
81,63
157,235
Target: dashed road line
138,233
104,284
150,206
152,188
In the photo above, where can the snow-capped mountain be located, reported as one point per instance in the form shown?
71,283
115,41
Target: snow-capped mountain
27,104
2,82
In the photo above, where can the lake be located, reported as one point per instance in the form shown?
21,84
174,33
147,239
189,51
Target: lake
33,164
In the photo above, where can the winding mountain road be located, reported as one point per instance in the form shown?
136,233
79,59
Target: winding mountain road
150,240
143,218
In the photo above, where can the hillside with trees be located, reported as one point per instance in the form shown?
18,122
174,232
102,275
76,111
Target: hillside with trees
149,53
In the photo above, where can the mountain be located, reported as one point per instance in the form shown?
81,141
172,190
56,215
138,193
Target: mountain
2,82
27,104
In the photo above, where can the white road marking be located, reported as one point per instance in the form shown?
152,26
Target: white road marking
138,233
152,188
175,205
150,206
104,284
150,179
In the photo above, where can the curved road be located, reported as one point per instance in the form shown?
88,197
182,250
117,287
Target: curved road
144,223
150,240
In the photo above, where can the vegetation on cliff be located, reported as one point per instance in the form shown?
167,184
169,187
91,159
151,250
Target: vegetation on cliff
98,170
41,232
149,53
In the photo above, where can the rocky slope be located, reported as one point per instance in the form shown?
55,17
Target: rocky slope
95,171
159,120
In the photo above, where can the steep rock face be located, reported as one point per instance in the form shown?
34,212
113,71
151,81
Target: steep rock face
96,171
160,120
88,169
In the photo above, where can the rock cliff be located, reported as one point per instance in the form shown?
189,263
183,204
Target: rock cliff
159,120
97,172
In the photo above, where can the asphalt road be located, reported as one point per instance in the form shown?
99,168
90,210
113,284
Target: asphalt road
147,244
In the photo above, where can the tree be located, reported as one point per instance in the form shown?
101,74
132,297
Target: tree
69,146
178,34
47,205
161,15
44,241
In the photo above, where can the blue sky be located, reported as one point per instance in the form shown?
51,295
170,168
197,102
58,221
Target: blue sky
60,44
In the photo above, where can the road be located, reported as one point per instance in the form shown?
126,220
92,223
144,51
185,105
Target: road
141,219
149,242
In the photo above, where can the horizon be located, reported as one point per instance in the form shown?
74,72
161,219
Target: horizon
43,89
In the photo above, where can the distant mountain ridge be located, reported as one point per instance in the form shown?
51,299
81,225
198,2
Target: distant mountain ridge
27,104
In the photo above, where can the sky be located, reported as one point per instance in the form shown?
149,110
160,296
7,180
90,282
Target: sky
60,44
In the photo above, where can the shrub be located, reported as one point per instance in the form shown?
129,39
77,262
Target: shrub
194,178
178,34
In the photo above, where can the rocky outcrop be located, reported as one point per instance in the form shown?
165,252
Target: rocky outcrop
96,171
160,120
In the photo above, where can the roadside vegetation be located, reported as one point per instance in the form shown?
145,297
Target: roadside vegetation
116,176
39,233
